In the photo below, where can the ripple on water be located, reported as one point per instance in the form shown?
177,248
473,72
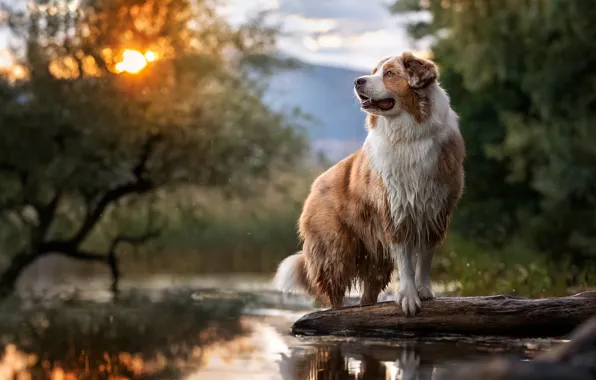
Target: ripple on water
254,343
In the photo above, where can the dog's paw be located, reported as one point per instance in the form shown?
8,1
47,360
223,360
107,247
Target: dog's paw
425,293
408,365
409,301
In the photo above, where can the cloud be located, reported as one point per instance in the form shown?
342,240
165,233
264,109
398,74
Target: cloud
346,33
296,23
352,50
338,9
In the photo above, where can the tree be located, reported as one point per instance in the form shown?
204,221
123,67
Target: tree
520,75
81,138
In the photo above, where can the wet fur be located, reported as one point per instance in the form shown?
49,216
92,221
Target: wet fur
387,204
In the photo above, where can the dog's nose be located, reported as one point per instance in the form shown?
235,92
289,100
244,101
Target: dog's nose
359,81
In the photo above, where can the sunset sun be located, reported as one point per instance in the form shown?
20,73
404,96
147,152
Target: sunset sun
134,61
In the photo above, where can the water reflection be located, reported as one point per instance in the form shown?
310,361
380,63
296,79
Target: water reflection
275,356
396,360
134,338
209,335
221,345
331,364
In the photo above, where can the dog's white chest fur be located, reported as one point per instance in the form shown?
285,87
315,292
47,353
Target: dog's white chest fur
408,168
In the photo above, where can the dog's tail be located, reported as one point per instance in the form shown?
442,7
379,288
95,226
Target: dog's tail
291,274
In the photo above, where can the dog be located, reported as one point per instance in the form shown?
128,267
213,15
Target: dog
388,204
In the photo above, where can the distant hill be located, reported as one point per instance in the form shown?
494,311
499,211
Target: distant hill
325,93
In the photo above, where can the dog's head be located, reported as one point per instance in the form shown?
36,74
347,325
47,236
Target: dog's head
395,85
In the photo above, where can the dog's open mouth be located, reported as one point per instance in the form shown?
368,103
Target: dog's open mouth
382,104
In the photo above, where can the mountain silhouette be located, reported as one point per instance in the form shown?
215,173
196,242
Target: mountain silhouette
326,94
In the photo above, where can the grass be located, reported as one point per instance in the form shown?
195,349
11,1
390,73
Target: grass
207,232
250,238
219,234
513,270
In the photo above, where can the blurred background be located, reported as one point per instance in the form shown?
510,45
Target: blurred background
169,144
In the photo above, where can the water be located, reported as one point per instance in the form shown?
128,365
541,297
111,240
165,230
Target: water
208,328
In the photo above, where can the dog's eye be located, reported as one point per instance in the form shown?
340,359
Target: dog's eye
388,73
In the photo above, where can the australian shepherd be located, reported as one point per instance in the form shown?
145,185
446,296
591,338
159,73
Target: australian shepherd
388,204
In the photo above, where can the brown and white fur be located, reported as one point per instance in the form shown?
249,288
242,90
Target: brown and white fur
390,202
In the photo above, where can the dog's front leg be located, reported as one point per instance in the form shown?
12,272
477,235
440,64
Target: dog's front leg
423,262
406,295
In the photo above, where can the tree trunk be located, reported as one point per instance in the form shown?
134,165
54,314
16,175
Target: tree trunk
115,270
496,315
11,274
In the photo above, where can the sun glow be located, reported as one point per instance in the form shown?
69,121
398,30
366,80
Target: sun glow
134,61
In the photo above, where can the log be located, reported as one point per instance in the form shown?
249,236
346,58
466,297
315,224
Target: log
494,315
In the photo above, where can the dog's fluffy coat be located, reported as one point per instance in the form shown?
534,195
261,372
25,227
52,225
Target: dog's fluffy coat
388,204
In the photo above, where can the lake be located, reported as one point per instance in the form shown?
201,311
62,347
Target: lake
205,328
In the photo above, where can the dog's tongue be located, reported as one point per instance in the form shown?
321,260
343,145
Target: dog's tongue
385,104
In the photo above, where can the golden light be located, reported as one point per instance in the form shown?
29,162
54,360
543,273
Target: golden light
150,56
134,61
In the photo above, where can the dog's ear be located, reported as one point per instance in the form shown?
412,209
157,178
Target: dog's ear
421,72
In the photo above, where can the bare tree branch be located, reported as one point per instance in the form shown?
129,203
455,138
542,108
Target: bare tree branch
46,215
140,185
112,259
134,240
69,249
84,255
141,168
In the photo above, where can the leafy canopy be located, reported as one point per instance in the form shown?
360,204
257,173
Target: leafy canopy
521,77
78,135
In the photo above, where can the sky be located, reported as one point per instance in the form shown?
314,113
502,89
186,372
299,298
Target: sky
344,33
353,34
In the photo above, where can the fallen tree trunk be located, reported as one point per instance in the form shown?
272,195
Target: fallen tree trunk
494,315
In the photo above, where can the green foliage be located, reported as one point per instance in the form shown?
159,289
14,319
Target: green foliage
79,137
514,269
219,235
521,77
